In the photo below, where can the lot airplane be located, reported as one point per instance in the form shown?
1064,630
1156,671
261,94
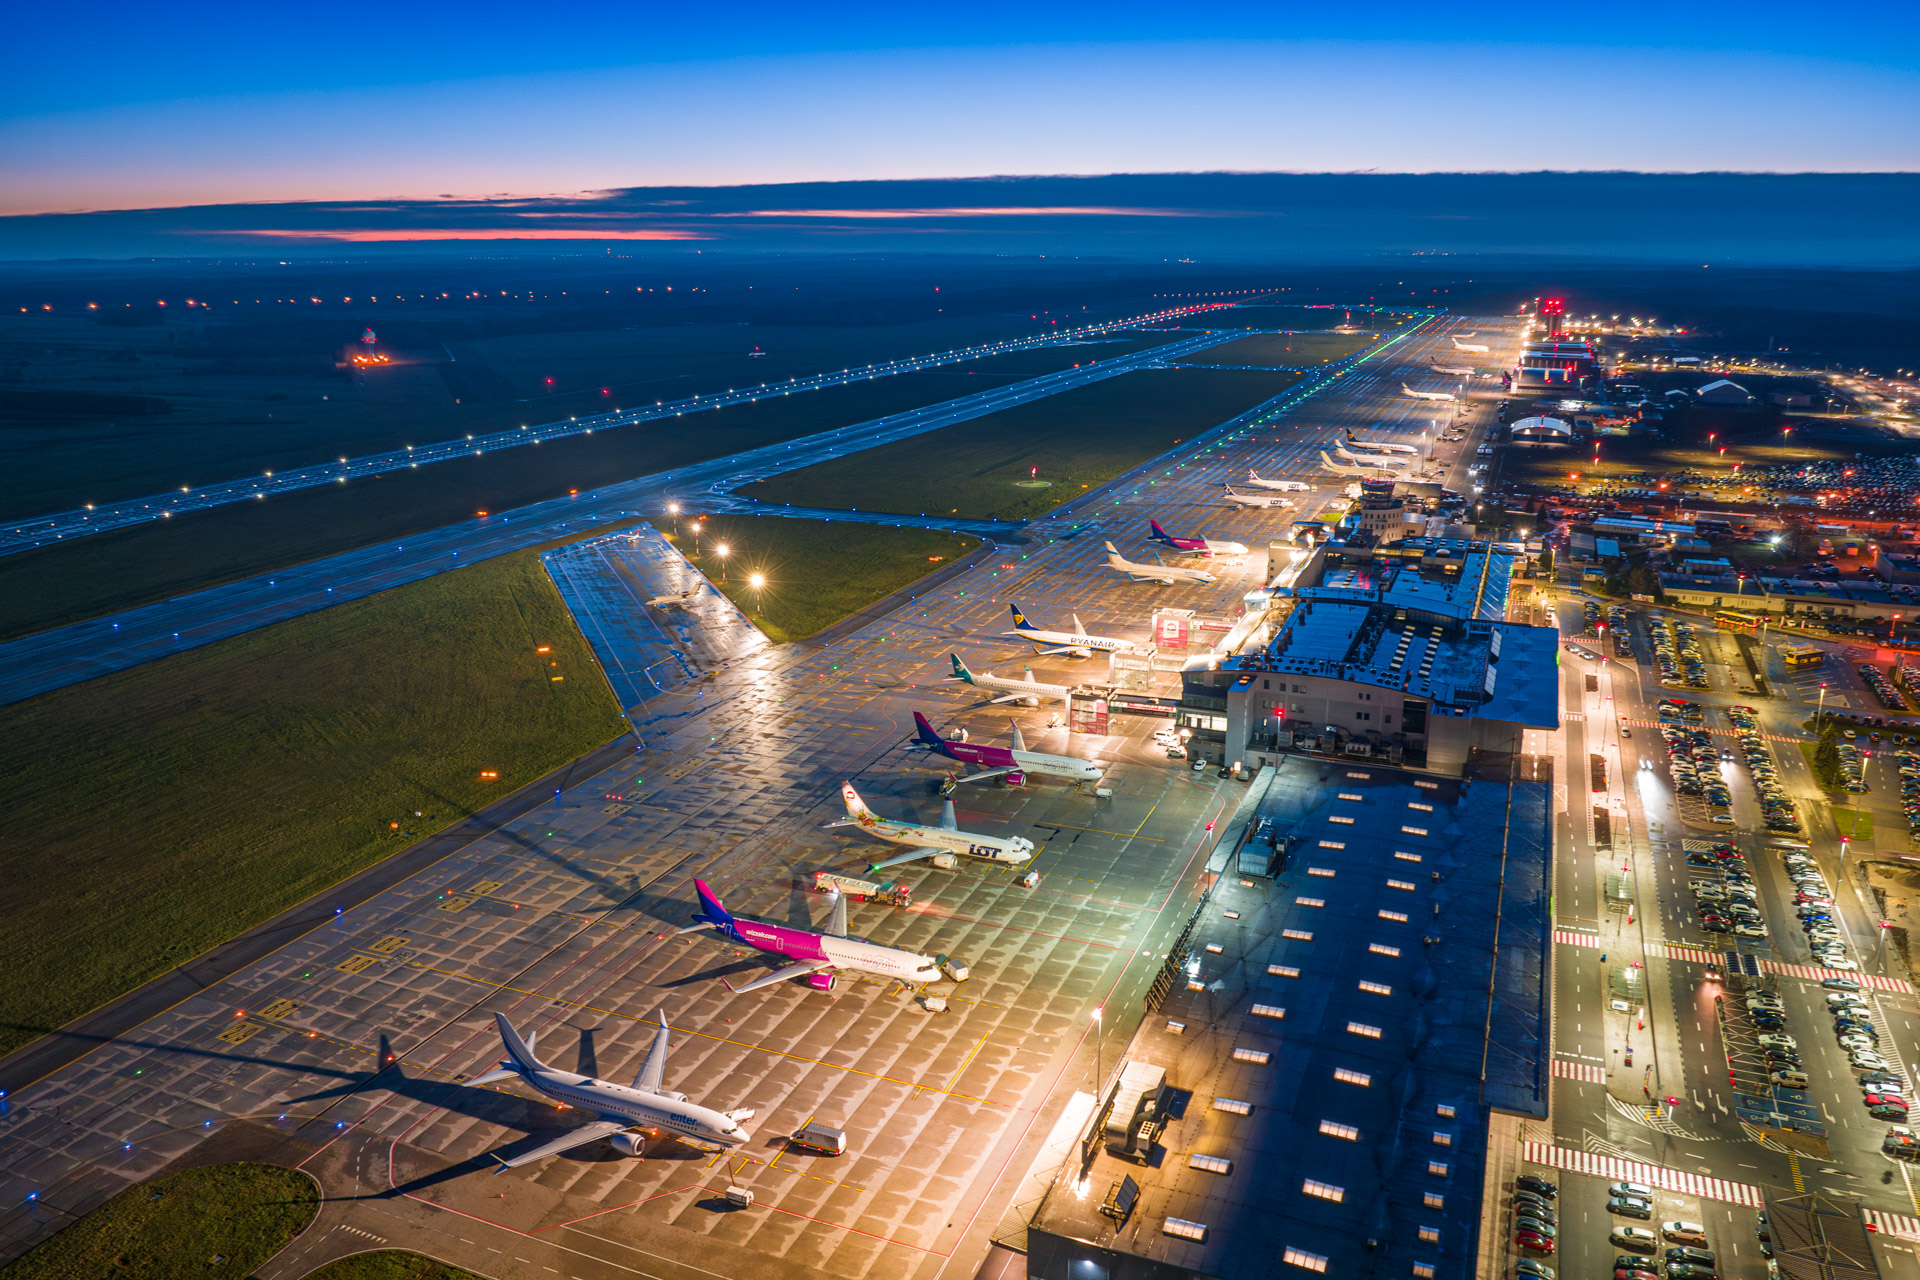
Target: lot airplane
1028,691
1262,500
1284,486
815,955
1429,395
942,843
1003,761
1164,573
1380,446
617,1108
1076,642
1474,347
1196,546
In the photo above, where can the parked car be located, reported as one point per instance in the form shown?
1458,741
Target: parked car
1537,1185
1630,1207
1681,1231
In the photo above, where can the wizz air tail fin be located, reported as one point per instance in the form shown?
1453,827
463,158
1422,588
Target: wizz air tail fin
1159,534
711,912
925,736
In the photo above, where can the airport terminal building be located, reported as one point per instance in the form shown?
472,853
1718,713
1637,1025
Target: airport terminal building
1347,1038
1404,657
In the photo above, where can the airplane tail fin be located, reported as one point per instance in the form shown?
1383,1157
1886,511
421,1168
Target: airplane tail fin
926,737
519,1052
960,671
856,807
1159,534
1020,622
1019,739
1077,628
711,912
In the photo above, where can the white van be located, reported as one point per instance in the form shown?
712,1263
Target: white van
825,1139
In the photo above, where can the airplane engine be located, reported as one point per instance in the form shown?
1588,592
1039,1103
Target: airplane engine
1082,653
629,1143
945,861
820,981
958,735
1032,700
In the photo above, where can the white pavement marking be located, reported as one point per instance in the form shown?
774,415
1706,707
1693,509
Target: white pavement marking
1582,1071
1599,1166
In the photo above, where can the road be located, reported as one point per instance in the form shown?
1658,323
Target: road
344,1047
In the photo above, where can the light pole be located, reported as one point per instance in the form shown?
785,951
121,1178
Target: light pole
1821,710
1097,1026
756,581
673,509
696,539
721,551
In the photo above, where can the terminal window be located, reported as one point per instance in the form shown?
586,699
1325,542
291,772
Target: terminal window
1445,1109
1325,1190
1362,1029
1376,988
1430,1235
1345,1076
1401,916
1301,1258
1382,949
1434,1200
1334,1129
1438,1168
1424,1270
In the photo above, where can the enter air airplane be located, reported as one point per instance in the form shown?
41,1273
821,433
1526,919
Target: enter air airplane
1002,762
815,955
941,843
617,1109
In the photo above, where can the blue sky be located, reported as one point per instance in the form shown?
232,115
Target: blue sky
118,105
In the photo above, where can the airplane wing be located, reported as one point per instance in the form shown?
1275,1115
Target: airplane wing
990,773
800,970
912,855
592,1131
654,1069
1008,697
1059,648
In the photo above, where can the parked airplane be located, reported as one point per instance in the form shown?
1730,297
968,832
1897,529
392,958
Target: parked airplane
1380,446
669,602
617,1109
1369,473
1475,347
942,843
1375,459
815,955
1199,546
1028,691
1284,486
1428,395
1076,642
1255,499
1455,370
1013,763
1154,572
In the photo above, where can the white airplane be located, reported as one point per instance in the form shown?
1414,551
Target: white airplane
1381,446
1455,370
1375,459
1475,347
1428,395
1001,762
1076,642
672,602
943,843
1284,486
618,1109
1154,572
1028,692
1255,499
1369,473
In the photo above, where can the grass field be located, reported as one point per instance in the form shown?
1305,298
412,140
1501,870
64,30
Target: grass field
994,467
390,1264
1287,350
1854,824
220,1222
817,571
156,812
110,572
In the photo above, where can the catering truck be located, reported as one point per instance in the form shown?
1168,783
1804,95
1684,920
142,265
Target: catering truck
860,890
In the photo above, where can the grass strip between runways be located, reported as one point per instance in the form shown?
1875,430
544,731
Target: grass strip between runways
157,812
220,1222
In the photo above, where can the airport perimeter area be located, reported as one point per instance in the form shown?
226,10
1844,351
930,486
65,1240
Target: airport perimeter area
346,1050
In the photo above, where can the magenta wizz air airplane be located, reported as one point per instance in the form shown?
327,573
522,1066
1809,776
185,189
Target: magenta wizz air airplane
1197,546
1001,762
815,956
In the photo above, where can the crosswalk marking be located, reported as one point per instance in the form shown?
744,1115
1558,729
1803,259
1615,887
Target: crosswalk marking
1583,1071
1612,1168
1719,733
1893,1224
1573,939
1817,973
1694,954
